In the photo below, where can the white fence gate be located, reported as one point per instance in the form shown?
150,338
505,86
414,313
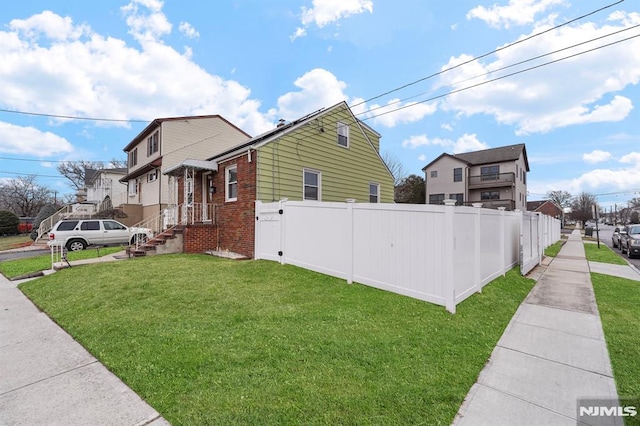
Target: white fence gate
440,254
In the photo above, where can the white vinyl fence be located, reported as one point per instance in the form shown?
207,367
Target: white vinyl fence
439,254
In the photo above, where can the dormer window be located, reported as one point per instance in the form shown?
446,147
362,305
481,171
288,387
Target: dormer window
343,134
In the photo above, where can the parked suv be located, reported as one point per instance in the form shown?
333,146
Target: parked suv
630,241
77,234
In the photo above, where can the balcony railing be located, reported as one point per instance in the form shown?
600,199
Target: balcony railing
494,204
492,180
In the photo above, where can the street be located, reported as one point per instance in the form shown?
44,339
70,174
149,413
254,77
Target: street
606,231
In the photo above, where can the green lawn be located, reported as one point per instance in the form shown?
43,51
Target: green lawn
554,249
603,254
619,305
215,341
15,268
14,241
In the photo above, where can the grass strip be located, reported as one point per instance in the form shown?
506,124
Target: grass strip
619,305
30,265
603,254
215,341
554,249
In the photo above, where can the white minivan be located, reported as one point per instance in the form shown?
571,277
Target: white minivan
78,234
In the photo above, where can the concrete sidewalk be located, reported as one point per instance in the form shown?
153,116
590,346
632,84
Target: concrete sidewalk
552,353
47,378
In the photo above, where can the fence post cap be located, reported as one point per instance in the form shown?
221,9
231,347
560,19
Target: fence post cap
477,205
350,200
502,209
449,202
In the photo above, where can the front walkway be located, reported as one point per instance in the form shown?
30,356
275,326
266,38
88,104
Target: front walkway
552,353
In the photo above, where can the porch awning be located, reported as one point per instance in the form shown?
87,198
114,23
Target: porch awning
193,164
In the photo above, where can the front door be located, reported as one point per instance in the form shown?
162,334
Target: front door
207,197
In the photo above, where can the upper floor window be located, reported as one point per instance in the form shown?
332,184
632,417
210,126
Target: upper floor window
152,176
490,172
311,185
153,143
434,173
231,183
457,174
343,134
374,192
133,157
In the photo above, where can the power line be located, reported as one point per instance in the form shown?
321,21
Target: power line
73,117
503,68
487,54
497,78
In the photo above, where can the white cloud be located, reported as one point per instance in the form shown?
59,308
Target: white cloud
517,12
632,158
395,112
464,143
319,89
188,30
50,65
30,141
597,156
575,91
422,157
325,12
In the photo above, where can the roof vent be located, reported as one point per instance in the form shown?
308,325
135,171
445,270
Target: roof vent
280,122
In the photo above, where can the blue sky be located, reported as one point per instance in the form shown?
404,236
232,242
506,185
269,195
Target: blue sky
254,62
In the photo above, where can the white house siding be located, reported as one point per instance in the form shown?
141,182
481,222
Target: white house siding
198,139
443,183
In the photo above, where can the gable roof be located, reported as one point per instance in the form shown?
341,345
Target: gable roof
158,121
284,129
445,155
491,155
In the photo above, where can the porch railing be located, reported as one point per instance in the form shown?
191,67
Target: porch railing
47,223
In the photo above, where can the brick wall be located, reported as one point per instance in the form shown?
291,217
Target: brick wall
235,220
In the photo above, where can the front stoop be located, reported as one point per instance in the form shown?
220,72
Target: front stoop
167,242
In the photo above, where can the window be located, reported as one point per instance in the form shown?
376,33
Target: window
311,185
133,187
436,198
524,177
133,157
490,195
517,172
152,176
434,174
457,174
152,144
374,193
90,225
231,183
458,197
67,226
490,172
112,225
343,134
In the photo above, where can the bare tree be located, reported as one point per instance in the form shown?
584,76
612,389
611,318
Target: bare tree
395,166
582,207
23,195
560,198
76,171
634,202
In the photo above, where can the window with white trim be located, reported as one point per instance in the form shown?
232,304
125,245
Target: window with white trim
311,185
133,187
343,134
374,192
153,144
152,176
133,157
231,183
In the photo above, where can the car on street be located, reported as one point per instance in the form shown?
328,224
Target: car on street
78,234
630,241
616,237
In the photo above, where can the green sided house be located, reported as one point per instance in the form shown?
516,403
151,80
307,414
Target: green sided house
328,155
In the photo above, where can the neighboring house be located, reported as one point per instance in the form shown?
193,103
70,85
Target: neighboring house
328,155
164,143
545,207
495,177
103,183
